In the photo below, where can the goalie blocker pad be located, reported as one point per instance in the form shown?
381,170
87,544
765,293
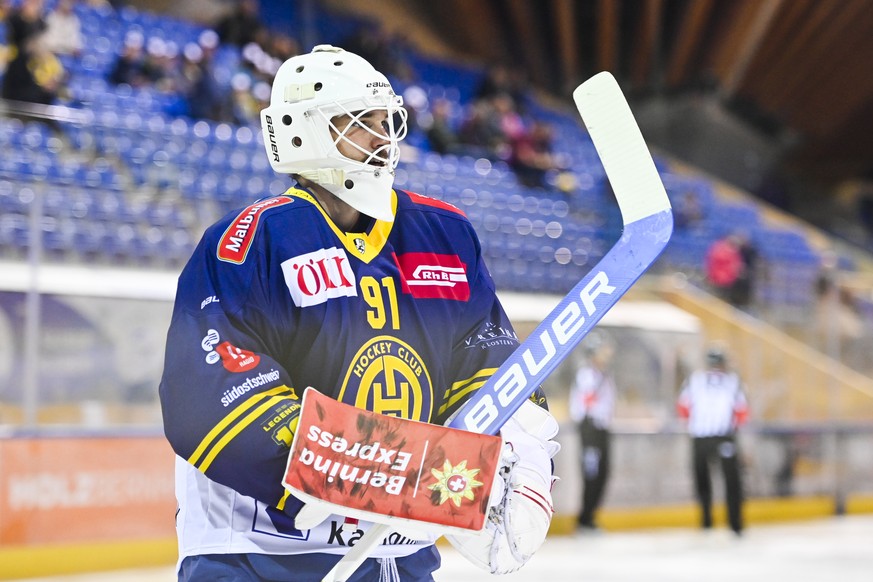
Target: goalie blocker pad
388,470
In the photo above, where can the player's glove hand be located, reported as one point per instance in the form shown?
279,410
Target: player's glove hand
521,501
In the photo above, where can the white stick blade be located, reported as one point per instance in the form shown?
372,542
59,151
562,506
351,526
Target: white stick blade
621,147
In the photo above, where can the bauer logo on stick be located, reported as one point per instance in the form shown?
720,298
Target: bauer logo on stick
383,468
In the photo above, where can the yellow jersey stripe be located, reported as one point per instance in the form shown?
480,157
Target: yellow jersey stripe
240,426
458,396
479,376
230,418
462,388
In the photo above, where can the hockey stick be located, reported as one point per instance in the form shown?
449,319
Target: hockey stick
648,223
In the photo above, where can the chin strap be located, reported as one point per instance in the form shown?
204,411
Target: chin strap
325,176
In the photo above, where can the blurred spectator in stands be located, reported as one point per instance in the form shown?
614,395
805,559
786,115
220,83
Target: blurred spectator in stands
63,32
731,269
854,350
687,211
261,93
206,98
417,106
248,98
743,290
501,80
129,66
864,196
282,47
477,133
441,134
507,119
171,69
48,71
161,65
256,64
828,276
839,327
4,43
503,124
251,60
531,155
35,75
723,265
242,100
19,83
188,70
494,128
153,63
24,22
242,24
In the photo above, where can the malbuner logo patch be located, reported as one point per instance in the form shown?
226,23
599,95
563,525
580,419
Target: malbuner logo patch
237,239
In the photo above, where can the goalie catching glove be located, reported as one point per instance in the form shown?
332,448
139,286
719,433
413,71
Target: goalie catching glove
521,500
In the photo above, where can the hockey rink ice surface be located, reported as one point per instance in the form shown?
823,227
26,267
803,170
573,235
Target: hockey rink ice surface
838,549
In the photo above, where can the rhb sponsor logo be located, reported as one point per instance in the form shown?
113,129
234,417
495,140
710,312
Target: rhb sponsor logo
433,276
525,370
237,239
315,277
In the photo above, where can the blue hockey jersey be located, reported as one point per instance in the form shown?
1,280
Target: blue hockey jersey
401,319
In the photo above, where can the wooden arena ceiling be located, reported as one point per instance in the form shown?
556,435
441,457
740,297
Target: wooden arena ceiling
801,65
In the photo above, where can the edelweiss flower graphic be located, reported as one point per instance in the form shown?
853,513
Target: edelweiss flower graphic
455,482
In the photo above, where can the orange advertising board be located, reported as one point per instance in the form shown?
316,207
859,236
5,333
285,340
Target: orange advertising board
371,466
75,489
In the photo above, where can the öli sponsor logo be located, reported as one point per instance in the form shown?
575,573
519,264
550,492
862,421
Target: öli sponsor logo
315,277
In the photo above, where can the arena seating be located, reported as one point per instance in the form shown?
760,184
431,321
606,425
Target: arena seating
132,180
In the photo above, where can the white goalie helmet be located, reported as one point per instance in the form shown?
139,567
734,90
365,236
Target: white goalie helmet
308,92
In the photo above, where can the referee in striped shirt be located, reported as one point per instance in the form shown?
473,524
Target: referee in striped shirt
592,401
713,402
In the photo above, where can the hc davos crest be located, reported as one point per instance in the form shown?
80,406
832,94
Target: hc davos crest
387,376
